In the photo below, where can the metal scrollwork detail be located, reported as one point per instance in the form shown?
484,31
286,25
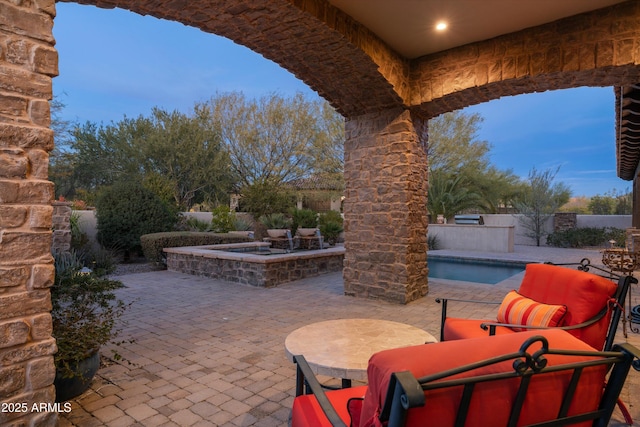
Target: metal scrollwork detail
620,260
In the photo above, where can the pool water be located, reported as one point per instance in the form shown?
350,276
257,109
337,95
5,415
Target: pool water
468,270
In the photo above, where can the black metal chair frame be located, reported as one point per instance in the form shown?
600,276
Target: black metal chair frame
405,391
617,307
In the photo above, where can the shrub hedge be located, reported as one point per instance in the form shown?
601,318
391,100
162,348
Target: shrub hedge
586,236
152,244
127,210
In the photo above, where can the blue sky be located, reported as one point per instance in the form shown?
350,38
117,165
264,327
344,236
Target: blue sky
115,63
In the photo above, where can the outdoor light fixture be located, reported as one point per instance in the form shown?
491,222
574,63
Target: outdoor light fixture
441,26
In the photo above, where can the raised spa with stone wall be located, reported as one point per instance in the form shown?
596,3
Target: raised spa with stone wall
253,263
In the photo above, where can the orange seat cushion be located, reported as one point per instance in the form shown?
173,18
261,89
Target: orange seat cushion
306,411
492,400
584,294
459,329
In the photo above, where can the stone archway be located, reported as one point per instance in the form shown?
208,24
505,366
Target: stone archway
386,99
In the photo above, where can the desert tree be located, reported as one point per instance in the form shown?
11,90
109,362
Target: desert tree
541,199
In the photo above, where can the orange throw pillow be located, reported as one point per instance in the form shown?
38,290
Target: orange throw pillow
519,310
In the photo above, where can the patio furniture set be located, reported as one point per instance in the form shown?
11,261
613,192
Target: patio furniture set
547,359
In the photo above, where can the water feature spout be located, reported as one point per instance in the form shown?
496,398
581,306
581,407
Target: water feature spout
320,239
290,240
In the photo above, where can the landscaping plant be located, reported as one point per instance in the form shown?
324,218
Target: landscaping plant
222,220
126,211
330,225
303,218
275,221
85,312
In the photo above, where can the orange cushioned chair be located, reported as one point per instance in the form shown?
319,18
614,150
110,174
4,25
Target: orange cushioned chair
516,379
588,306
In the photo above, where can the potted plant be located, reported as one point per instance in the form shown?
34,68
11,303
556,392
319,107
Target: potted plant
277,224
85,312
305,222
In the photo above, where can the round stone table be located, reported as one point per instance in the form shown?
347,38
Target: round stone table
341,348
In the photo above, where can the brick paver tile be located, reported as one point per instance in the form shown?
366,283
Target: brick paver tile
235,407
204,409
185,418
125,421
99,404
234,372
180,404
222,417
158,402
141,412
108,413
156,420
162,391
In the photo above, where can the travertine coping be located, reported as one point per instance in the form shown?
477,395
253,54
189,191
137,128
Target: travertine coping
218,252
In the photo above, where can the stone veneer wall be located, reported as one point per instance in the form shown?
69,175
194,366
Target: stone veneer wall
28,61
61,227
264,274
563,221
385,207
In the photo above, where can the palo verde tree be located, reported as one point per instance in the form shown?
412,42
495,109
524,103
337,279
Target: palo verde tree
275,140
541,199
278,139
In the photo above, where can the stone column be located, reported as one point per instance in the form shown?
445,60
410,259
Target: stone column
563,221
61,227
27,63
385,207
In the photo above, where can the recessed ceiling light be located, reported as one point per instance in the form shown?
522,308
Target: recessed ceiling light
441,26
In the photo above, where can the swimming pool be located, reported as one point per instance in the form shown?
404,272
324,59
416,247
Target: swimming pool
472,270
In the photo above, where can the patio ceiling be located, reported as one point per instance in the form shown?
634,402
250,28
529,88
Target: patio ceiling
408,27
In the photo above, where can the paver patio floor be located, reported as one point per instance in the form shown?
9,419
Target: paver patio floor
211,353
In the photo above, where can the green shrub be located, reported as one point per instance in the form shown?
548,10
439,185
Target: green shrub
79,239
275,221
586,236
266,197
195,224
432,242
330,216
241,224
222,220
126,211
102,261
330,225
153,244
617,234
85,312
303,218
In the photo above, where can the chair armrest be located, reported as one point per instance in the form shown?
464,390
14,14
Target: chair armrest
444,302
491,326
404,392
631,351
306,377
